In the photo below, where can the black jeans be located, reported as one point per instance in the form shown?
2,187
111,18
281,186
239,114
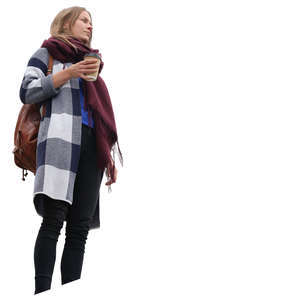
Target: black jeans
77,216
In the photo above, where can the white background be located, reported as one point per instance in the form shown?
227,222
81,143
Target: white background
206,100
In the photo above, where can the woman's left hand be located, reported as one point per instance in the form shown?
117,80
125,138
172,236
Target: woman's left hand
114,177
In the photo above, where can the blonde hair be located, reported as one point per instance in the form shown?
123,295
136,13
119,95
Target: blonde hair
69,15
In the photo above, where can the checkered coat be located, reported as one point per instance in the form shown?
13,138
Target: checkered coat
59,136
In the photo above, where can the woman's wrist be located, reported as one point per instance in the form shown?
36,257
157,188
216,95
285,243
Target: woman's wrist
69,74
61,77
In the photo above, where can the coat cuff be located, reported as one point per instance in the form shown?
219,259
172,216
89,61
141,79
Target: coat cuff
48,87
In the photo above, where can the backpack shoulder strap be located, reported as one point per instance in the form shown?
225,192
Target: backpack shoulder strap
50,64
50,67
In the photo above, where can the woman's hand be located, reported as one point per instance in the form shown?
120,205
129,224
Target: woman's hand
114,176
83,68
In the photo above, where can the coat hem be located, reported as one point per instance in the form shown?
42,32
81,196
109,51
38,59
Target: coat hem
50,195
39,207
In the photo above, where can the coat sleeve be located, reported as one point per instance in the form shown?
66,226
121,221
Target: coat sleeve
36,86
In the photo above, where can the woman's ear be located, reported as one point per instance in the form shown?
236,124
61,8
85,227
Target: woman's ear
66,26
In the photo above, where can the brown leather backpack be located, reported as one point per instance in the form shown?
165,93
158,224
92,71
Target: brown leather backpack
26,132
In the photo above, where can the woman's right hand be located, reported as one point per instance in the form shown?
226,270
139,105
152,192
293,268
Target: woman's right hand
83,68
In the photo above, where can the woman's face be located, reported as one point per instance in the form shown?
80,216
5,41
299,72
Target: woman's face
82,27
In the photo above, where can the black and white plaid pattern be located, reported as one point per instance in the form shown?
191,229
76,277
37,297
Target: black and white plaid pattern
59,137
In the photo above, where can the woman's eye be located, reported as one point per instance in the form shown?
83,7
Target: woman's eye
85,21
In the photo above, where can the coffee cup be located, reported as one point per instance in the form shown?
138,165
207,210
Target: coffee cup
92,56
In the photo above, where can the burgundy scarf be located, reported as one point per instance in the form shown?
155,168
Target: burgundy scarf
97,102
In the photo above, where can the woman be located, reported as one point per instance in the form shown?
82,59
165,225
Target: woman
76,136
